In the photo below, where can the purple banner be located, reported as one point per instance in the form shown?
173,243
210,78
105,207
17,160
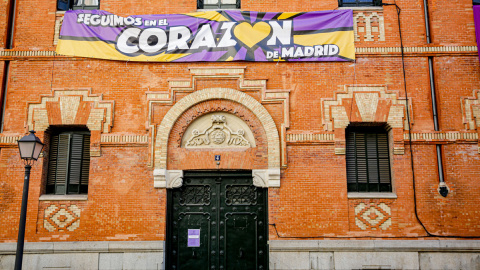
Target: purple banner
229,35
476,18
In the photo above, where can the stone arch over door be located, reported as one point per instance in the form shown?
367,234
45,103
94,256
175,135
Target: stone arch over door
267,177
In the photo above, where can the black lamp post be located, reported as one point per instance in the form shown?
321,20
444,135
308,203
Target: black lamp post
30,147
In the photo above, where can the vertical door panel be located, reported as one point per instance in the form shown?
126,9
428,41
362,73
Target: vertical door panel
190,254
240,244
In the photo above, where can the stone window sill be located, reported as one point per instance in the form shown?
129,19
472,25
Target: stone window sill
371,195
51,197
363,8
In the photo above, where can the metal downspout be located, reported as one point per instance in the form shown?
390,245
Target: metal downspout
6,70
442,189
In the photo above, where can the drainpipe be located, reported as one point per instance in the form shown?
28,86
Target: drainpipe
442,187
6,68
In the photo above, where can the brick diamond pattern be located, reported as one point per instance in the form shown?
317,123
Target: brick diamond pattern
373,216
61,218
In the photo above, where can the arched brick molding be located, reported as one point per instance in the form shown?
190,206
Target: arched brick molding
268,177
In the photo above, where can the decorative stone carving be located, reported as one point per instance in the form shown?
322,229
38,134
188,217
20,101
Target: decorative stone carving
266,178
218,134
167,178
259,178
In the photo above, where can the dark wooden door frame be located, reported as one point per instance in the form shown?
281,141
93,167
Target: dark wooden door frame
223,179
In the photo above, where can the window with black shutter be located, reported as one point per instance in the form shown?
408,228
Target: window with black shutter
368,160
218,4
69,163
359,3
77,4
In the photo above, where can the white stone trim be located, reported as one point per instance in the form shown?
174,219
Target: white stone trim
374,245
371,195
266,178
167,178
10,139
86,255
72,197
362,8
442,136
432,49
121,138
423,49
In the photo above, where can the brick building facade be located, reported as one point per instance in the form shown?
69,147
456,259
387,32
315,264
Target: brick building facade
296,118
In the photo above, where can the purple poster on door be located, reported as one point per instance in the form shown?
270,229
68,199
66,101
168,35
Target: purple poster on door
476,18
193,238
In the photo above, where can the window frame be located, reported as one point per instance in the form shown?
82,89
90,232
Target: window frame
201,5
383,186
374,3
70,5
53,187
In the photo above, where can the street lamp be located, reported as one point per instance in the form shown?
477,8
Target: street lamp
30,147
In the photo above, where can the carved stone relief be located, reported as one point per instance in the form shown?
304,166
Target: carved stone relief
218,130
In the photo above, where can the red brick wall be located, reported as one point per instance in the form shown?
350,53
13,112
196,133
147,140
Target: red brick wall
312,200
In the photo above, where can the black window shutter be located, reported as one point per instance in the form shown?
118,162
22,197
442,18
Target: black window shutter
69,163
351,162
76,157
368,162
52,164
85,164
61,173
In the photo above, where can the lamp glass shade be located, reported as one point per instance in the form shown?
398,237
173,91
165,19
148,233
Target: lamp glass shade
37,150
26,149
30,146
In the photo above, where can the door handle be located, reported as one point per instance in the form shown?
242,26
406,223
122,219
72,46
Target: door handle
240,253
193,254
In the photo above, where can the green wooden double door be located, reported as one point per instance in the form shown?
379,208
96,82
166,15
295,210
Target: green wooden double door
217,220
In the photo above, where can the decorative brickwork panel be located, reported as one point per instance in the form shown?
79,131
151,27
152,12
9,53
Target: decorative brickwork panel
373,216
471,111
58,25
365,104
61,218
369,26
71,107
